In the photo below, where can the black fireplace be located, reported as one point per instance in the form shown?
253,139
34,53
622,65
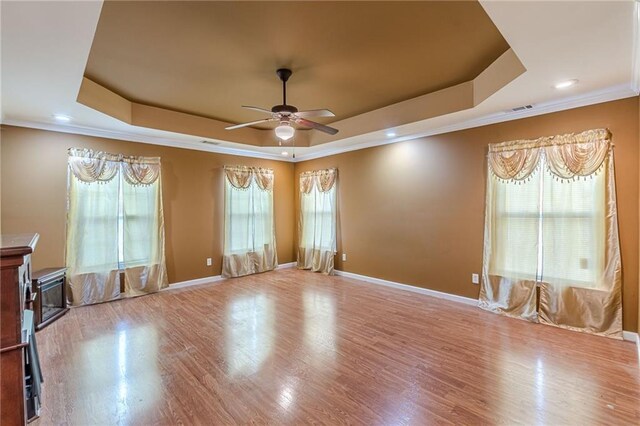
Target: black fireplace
50,302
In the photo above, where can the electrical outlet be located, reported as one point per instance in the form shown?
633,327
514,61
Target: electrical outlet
344,257
209,261
475,278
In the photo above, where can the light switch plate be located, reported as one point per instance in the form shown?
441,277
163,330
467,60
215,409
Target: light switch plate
475,278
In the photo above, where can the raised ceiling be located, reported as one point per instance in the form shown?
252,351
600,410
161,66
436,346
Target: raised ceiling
209,58
45,47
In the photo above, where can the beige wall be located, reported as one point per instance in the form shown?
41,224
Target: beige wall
34,173
413,212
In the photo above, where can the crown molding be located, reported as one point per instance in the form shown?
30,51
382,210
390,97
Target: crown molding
635,55
613,93
605,95
134,137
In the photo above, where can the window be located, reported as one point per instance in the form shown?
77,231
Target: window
551,248
93,222
549,230
249,219
318,212
114,224
573,231
249,229
317,224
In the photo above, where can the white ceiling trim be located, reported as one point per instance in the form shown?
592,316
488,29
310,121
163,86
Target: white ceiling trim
635,66
133,137
611,94
600,96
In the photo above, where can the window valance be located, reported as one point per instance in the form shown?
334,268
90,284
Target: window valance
240,177
90,166
567,156
323,179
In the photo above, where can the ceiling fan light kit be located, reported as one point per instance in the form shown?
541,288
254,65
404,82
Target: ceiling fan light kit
284,131
287,115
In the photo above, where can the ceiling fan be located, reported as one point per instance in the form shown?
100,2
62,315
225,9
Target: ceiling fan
287,115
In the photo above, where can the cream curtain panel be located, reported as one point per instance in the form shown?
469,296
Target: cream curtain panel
143,238
93,273
114,224
551,223
249,225
317,221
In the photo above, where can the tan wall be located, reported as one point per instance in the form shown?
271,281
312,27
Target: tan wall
34,173
413,212
410,212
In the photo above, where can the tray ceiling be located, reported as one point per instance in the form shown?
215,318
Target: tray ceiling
46,45
209,58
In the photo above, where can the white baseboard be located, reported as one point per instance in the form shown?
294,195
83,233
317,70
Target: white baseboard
287,265
197,281
406,287
630,336
215,278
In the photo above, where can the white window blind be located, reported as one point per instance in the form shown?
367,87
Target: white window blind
550,230
249,219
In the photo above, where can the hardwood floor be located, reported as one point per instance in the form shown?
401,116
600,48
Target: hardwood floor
290,347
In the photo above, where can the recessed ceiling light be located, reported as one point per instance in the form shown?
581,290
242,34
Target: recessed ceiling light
565,84
61,117
285,153
391,134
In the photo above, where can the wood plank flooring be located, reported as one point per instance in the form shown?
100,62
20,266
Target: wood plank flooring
291,347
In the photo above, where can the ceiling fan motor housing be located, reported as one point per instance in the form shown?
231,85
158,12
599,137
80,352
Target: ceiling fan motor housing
284,109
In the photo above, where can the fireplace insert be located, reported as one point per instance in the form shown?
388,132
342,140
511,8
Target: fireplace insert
50,301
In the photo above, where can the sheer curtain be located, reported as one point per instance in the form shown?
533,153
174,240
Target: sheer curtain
249,231
114,224
551,203
143,237
317,221
92,227
511,246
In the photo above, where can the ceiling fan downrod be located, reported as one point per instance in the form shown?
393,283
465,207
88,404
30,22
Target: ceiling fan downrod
283,75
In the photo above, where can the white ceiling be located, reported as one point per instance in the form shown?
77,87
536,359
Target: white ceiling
45,46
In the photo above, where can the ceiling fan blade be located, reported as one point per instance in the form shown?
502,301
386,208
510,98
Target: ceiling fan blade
317,126
266,111
315,113
237,126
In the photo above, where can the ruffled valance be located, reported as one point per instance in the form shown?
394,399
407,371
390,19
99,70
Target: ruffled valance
567,156
141,171
323,179
97,166
240,177
92,166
